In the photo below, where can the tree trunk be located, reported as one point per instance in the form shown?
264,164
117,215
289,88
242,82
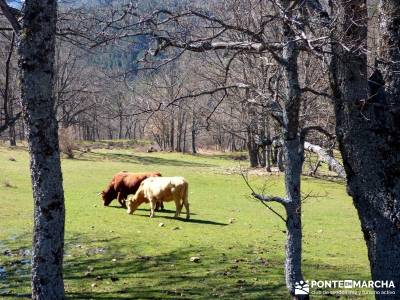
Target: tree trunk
13,140
179,129
110,132
121,125
22,130
279,159
8,105
94,125
268,157
184,150
294,157
252,130
262,155
252,148
293,150
172,133
232,143
36,61
194,151
11,132
368,130
274,154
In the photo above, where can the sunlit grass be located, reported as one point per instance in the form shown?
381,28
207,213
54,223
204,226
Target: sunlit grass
112,255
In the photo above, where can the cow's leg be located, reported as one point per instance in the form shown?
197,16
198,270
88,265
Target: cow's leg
130,205
178,206
152,208
186,203
121,199
160,206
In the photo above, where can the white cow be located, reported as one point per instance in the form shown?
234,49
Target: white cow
155,190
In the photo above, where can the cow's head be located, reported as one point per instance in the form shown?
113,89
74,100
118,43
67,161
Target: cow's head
136,199
108,195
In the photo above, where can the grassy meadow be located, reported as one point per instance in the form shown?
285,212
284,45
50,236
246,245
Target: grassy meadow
112,255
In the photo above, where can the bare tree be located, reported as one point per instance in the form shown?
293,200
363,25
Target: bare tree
36,61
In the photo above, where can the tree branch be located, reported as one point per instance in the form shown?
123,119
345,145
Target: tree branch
317,93
10,14
10,122
264,199
306,130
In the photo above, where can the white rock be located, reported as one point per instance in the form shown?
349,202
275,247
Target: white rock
195,259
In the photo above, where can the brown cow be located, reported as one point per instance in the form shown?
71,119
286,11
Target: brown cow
124,184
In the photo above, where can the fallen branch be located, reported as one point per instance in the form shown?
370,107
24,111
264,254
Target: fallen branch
326,158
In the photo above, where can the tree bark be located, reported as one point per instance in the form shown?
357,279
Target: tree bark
36,61
368,130
293,166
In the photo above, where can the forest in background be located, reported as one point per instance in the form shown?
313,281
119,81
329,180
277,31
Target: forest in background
108,91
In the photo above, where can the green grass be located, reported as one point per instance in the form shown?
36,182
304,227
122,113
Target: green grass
243,259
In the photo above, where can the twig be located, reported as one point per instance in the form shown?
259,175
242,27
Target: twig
264,199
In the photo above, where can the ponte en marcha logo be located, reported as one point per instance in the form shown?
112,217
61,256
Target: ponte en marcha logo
312,286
